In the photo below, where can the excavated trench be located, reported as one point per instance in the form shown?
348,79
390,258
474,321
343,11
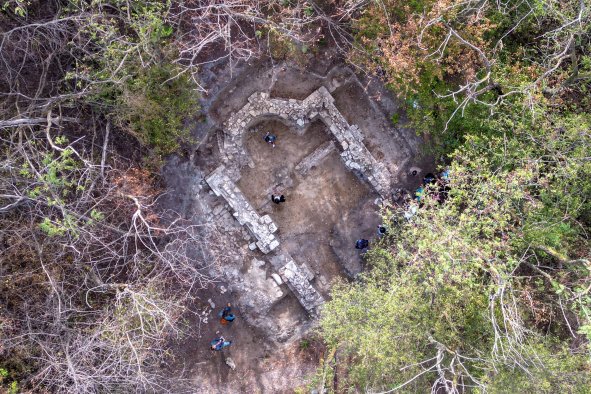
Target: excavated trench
332,200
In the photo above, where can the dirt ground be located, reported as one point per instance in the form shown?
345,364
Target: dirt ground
327,209
325,212
261,367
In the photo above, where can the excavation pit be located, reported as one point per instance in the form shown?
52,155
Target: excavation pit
338,156
328,207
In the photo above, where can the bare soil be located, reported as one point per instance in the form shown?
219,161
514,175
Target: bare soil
261,367
327,210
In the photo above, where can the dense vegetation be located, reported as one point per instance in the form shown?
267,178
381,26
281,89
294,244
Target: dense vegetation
489,291
97,275
96,278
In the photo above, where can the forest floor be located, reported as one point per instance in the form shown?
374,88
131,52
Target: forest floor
327,209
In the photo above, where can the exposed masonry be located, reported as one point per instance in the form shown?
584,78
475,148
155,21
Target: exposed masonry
262,227
314,158
298,280
318,105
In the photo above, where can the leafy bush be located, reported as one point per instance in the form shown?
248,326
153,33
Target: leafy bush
452,289
154,106
130,75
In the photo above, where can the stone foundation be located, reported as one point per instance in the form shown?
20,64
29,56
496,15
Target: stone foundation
318,105
314,159
356,156
298,280
262,227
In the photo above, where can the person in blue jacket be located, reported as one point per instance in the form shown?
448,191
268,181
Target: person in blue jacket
225,315
361,244
219,343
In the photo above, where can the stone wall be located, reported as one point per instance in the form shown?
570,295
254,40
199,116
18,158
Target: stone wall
262,227
318,105
314,159
298,279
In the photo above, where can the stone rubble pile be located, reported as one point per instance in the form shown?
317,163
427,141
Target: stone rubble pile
298,280
257,294
318,105
261,227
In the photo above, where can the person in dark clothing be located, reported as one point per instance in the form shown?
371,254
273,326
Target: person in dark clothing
443,193
429,179
225,315
277,199
270,139
361,244
225,311
444,187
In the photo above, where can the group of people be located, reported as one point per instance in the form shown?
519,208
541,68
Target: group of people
437,186
364,243
270,139
226,317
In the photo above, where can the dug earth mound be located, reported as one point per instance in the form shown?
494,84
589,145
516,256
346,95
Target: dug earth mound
337,158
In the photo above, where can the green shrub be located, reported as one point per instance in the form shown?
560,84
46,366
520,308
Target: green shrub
304,344
154,106
395,118
12,387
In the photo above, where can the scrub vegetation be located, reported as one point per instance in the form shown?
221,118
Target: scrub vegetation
489,291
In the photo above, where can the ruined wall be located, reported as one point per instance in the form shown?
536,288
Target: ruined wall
318,105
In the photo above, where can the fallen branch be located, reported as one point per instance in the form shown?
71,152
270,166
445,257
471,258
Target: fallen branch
5,124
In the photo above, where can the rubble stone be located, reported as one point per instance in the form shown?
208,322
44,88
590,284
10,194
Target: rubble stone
223,186
258,291
230,363
318,103
277,279
298,277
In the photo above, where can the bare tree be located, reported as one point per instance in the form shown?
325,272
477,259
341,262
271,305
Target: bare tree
237,30
97,277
